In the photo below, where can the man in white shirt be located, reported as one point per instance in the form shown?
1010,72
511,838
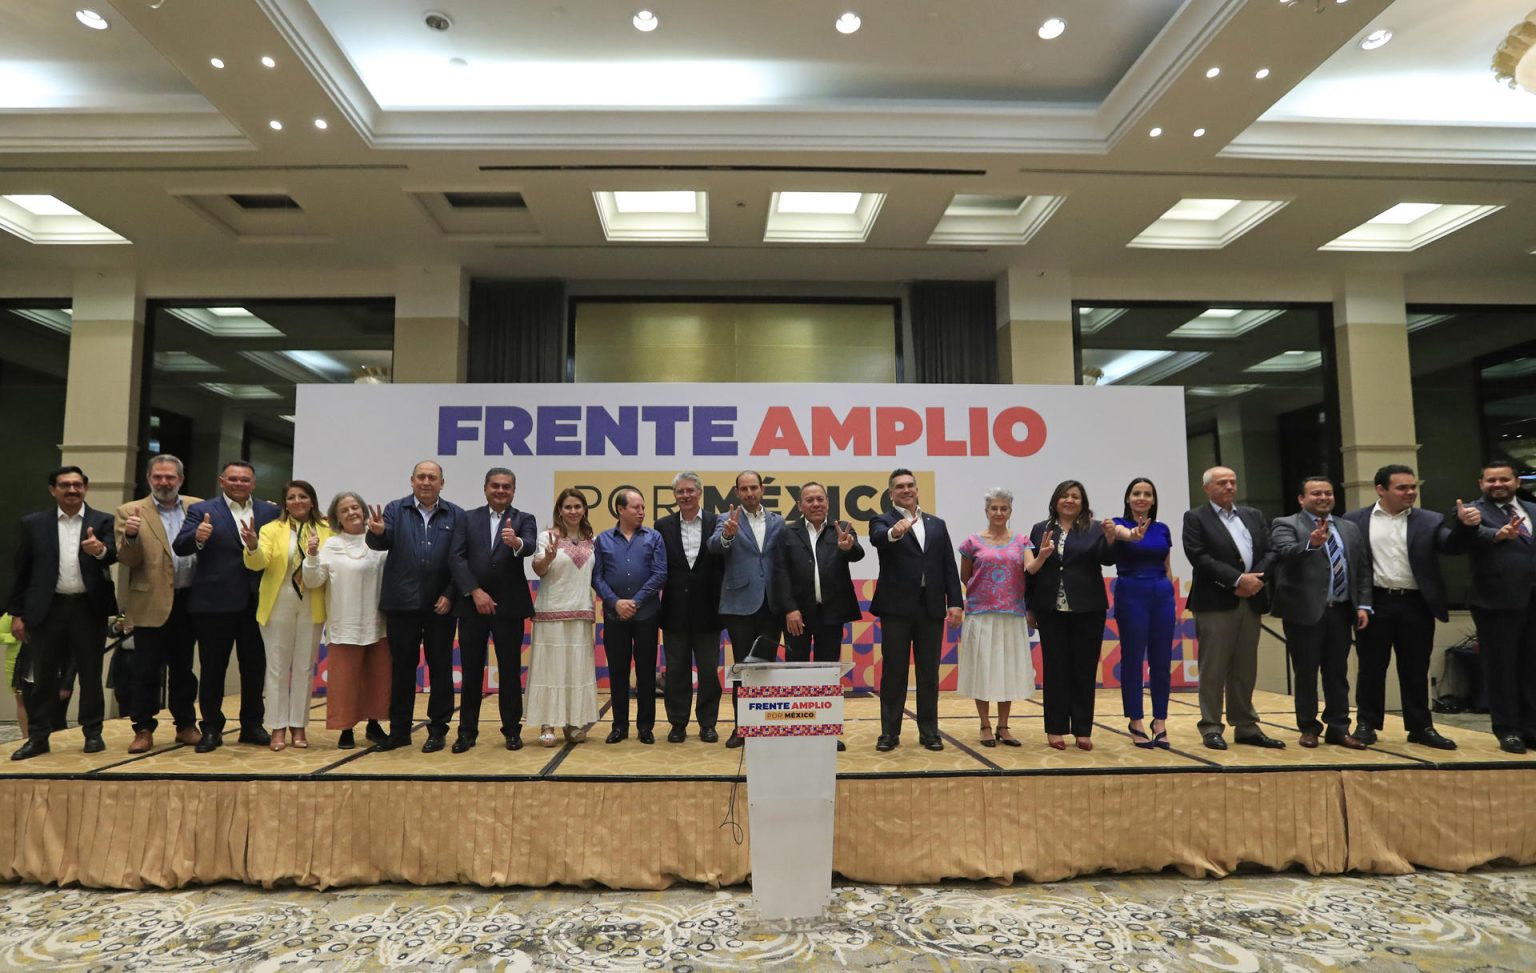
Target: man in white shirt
743,539
690,611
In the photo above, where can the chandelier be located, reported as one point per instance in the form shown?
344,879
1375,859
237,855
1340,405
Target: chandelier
1514,62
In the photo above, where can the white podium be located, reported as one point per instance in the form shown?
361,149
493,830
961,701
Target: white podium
791,714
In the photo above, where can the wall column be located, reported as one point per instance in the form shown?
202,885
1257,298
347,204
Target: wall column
101,406
1034,328
1375,380
431,323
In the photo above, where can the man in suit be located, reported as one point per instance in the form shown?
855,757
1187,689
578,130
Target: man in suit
1496,533
417,601
155,588
223,601
59,605
1228,549
1322,590
743,540
690,611
1407,595
918,588
490,545
812,588
629,571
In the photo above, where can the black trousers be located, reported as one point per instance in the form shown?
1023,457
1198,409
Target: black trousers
685,651
744,631
72,635
1508,643
905,642
1322,645
1401,623
474,632
165,649
217,633
1070,646
410,633
634,640
819,640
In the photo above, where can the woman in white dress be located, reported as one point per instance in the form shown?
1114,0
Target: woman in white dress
357,657
562,670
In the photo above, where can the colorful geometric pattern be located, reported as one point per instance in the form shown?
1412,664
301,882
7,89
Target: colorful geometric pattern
813,730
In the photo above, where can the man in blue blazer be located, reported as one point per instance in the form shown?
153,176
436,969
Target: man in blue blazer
743,540
918,588
222,602
417,601
60,603
1496,532
1407,596
491,545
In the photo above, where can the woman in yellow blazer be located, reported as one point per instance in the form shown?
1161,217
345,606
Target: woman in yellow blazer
291,615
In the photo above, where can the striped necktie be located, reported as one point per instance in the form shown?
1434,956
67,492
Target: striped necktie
1524,530
1339,587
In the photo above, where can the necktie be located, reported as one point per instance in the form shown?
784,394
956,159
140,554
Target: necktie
298,569
495,531
1524,530
1339,587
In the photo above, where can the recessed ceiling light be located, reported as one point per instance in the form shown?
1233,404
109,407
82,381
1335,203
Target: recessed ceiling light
1199,133
1375,39
1052,29
217,62
41,205
1155,132
275,125
661,201
268,62
1195,208
1261,73
1404,213
322,124
1212,72
645,21
92,19
848,23
832,204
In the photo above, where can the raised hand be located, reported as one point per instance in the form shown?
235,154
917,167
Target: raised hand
204,530
509,536
1508,532
732,523
1319,535
1047,545
248,535
314,544
900,528
845,539
131,525
1471,516
375,519
1111,529
92,545
1140,531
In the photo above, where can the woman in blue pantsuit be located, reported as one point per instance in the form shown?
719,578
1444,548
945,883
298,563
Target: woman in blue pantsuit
1144,608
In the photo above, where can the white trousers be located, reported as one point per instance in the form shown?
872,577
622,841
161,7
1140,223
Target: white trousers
293,640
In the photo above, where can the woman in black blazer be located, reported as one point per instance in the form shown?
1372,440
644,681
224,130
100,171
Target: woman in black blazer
1067,605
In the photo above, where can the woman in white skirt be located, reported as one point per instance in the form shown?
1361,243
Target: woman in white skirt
995,661
562,670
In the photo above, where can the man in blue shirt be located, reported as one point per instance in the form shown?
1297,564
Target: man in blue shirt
629,571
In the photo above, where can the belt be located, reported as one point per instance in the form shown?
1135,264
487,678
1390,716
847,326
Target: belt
1394,592
73,595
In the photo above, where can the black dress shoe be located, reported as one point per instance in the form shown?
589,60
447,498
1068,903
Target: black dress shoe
515,742
210,741
734,740
646,737
94,743
1365,735
1509,743
677,735
256,736
1260,740
887,743
374,732
32,748
434,743
463,743
930,743
1213,741
392,743
1430,737
841,746
708,735
346,741
617,734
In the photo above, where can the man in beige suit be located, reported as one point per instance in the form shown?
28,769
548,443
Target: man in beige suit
153,588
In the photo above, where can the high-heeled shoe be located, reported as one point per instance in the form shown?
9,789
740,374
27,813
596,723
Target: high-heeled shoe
1139,738
987,739
1160,739
1057,744
547,736
575,734
278,743
1084,743
1007,741
300,740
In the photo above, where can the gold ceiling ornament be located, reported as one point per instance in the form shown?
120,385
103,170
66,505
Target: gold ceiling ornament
1514,62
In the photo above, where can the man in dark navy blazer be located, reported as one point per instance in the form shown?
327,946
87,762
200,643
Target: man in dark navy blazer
918,589
222,602
417,601
60,603
1496,532
490,547
690,611
1407,595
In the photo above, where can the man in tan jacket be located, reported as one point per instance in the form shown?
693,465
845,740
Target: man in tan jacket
153,589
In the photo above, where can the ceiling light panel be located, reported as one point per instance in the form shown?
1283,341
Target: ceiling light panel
1007,220
241,392
821,217
1092,320
46,220
1289,361
666,201
1409,226
1225,323
58,319
653,216
225,322
829,204
182,361
1205,224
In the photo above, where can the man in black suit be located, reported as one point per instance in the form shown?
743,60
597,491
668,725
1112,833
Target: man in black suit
1496,532
490,544
1228,549
1322,591
690,611
918,588
59,606
1407,595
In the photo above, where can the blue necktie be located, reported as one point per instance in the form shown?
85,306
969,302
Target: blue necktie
1339,590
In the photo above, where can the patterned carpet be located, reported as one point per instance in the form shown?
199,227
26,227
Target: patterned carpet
1146,924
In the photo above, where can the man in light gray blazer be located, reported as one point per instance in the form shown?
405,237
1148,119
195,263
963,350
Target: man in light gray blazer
1322,591
743,540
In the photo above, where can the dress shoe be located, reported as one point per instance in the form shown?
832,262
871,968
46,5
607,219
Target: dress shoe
841,746
1213,741
209,742
435,742
346,741
1085,743
708,735
1430,737
375,733
1308,740
1509,743
930,743
1344,740
617,734
734,740
646,737
32,748
392,743
515,741
677,735
887,743
143,742
188,735
1365,735
94,743
463,743
255,735
1260,740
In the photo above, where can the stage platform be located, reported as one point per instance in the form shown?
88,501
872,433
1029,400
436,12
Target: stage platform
645,817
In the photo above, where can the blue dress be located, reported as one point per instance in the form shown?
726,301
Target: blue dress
1144,611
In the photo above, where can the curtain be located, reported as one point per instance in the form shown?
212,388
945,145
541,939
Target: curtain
517,331
954,331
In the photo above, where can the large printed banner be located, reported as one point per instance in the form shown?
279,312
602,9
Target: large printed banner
599,438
